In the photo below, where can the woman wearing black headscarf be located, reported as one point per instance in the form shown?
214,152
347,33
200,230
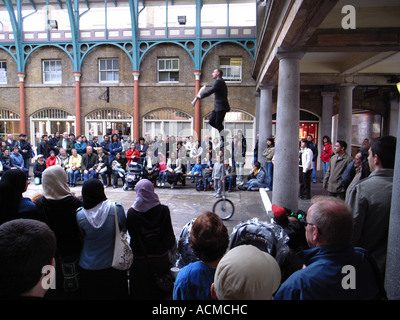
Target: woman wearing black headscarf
96,224
58,208
13,205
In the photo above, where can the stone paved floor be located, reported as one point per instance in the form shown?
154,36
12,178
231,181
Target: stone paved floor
186,203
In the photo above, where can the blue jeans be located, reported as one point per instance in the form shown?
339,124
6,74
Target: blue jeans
73,175
229,180
161,175
89,175
269,168
255,184
26,165
325,166
103,177
314,172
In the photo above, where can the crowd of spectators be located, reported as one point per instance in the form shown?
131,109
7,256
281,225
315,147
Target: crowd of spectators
75,236
162,159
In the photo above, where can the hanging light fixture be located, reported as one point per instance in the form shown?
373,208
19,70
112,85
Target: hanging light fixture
52,24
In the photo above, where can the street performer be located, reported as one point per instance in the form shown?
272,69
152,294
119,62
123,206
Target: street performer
221,104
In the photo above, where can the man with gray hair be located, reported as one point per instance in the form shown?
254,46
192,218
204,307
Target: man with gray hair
66,143
333,268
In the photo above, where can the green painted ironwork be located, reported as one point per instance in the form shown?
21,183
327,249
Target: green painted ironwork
136,49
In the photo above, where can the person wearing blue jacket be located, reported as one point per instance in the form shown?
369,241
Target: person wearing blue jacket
17,160
258,178
197,169
114,147
333,268
80,146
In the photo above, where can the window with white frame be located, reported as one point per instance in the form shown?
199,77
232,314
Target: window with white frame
52,72
231,68
108,70
3,72
168,121
168,70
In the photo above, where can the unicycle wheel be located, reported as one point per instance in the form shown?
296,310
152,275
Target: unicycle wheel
224,208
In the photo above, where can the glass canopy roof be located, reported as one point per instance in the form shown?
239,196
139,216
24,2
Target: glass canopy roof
41,15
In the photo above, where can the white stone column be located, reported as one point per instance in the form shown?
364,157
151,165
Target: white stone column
257,122
392,275
286,168
394,114
265,127
345,114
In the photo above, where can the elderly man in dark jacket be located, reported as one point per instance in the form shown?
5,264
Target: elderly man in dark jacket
66,143
89,159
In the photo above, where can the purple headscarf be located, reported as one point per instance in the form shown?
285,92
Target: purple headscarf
146,198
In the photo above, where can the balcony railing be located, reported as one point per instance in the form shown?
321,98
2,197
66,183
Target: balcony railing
126,34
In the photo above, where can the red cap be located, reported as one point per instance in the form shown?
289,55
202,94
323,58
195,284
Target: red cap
279,212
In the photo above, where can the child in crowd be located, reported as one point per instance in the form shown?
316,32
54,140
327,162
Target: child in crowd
117,165
118,171
197,170
162,167
52,160
207,170
38,169
217,175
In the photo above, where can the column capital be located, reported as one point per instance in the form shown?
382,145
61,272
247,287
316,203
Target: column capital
136,75
282,53
350,85
21,76
266,86
328,94
77,76
197,74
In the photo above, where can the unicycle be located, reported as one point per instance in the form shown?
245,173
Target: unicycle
224,207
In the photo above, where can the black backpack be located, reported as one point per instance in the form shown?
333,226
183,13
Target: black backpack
199,184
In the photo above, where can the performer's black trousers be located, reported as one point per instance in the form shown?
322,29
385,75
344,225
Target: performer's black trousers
216,120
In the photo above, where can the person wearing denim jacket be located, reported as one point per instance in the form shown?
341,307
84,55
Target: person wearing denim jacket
96,222
258,178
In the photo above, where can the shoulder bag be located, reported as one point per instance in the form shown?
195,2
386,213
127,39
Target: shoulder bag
123,255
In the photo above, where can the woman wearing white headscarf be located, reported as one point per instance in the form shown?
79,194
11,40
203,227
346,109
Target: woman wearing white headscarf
152,241
96,221
58,208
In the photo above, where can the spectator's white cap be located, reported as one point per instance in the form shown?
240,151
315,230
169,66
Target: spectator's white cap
246,273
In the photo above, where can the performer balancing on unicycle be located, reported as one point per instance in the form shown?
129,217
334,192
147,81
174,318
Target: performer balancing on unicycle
221,104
